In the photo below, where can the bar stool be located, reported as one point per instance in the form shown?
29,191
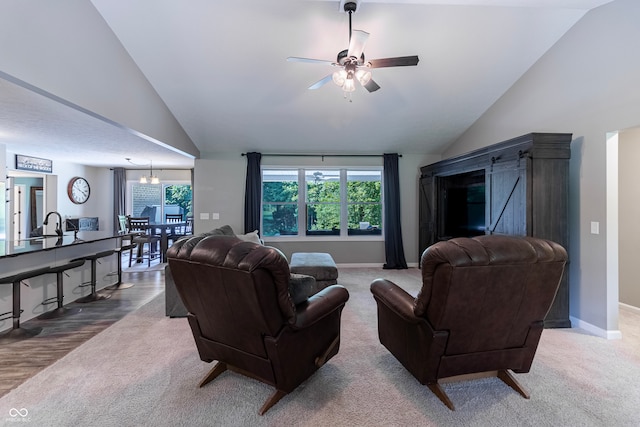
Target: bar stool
60,310
17,332
119,285
94,296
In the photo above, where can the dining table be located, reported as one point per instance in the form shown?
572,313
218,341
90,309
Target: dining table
164,230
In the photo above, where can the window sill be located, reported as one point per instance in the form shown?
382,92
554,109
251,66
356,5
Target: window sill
344,239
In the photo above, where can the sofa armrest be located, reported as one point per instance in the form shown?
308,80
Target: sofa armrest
320,305
395,298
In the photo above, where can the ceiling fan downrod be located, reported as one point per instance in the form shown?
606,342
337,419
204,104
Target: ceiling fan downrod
350,7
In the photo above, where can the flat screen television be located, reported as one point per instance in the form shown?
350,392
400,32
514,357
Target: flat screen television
463,202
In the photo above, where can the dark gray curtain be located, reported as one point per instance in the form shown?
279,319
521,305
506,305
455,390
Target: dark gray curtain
119,195
393,248
252,193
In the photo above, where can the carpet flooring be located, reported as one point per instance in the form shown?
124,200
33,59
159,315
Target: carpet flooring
144,370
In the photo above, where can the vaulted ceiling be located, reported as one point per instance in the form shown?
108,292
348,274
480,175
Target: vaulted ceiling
221,69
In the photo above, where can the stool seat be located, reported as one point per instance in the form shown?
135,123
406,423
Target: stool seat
59,298
15,280
94,296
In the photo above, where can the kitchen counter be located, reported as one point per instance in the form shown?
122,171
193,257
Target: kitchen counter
30,254
35,244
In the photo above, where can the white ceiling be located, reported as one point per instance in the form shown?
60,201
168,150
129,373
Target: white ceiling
221,69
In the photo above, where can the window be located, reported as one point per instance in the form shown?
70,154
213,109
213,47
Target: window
364,206
279,202
155,201
335,202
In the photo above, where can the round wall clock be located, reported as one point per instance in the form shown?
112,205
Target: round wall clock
78,190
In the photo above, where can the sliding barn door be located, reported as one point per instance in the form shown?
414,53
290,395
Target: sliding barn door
507,198
427,214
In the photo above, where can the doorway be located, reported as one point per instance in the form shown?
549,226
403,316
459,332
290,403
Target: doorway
25,207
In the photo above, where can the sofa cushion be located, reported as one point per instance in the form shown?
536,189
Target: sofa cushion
301,287
225,230
250,237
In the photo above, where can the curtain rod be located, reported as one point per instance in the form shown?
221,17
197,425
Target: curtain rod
155,169
322,155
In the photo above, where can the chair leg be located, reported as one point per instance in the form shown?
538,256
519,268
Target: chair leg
131,255
322,359
439,391
272,400
213,373
509,379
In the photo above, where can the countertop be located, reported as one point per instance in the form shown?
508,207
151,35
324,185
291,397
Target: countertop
36,244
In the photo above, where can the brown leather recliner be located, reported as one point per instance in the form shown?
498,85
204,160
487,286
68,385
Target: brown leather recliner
241,313
479,313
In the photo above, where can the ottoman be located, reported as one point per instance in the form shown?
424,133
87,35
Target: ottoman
316,264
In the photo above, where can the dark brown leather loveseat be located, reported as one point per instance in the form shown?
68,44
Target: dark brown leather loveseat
480,310
242,315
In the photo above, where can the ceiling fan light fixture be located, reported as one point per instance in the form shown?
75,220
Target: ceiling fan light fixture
339,77
349,85
363,76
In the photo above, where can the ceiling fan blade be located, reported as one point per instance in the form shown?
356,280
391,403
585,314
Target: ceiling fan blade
371,86
399,61
322,82
356,45
313,61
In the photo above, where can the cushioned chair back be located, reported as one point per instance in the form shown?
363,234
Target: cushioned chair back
236,290
487,291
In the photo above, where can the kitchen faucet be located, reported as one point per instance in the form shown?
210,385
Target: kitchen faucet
58,224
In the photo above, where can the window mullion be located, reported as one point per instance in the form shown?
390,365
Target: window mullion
344,225
302,203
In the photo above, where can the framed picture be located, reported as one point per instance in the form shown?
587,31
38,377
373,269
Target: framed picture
35,164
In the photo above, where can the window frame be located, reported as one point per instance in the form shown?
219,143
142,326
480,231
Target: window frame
344,204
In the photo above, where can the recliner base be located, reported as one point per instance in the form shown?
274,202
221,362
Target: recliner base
502,374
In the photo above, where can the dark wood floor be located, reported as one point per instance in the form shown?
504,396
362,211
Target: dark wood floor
20,360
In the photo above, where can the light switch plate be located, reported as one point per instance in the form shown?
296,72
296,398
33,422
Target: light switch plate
595,227
204,215
215,215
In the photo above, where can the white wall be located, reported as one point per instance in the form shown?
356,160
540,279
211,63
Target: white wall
219,188
100,203
40,43
629,215
586,84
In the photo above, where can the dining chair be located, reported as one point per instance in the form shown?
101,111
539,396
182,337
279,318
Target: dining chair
188,228
144,236
176,232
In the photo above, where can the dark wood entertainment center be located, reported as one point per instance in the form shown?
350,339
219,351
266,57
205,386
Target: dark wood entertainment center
515,187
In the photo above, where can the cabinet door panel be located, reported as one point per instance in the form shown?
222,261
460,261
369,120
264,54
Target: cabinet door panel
506,201
427,214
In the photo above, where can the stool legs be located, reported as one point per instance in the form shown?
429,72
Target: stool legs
119,285
61,310
93,296
18,332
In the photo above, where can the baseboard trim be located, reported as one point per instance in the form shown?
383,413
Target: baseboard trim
371,265
594,330
629,307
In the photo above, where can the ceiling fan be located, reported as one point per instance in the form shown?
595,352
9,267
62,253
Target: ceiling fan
352,62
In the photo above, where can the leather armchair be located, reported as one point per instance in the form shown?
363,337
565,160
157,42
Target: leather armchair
480,311
242,315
